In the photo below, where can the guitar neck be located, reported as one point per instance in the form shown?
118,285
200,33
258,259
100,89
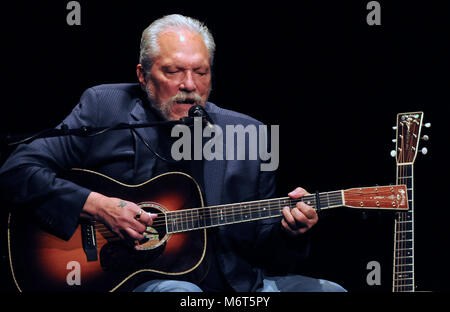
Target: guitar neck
403,267
383,197
206,217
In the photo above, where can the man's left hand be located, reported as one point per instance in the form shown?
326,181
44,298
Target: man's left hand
301,218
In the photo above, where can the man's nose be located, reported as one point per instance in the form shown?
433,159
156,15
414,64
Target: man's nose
188,83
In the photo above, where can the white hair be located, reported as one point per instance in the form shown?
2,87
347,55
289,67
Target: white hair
149,40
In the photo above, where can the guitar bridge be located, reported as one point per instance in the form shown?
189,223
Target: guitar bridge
89,241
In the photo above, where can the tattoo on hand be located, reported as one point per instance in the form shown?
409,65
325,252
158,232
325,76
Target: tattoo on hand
122,204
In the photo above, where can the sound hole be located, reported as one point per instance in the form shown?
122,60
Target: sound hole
122,256
155,235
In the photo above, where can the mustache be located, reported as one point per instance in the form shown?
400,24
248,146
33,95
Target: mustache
184,97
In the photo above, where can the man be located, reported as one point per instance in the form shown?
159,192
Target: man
174,74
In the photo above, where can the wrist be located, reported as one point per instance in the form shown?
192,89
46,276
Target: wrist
94,206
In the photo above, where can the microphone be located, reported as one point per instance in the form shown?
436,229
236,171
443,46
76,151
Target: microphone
199,111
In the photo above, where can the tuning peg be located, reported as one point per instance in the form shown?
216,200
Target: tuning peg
393,153
425,137
427,125
394,140
394,128
424,151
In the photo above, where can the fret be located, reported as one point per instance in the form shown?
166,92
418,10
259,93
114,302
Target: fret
195,219
403,253
169,226
309,200
238,213
245,212
175,222
405,285
404,170
188,220
172,222
281,204
404,260
404,276
229,214
337,199
404,235
213,217
405,288
403,227
184,225
254,211
408,248
407,243
404,215
202,220
179,220
405,282
206,216
323,200
404,218
264,210
405,267
192,218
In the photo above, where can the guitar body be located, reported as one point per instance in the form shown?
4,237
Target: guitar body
94,259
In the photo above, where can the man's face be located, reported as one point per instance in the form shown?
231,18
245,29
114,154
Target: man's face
180,76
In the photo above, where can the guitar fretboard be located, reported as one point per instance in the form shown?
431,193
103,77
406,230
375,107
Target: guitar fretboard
403,270
205,217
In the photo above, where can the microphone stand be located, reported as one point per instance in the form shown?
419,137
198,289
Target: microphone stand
85,131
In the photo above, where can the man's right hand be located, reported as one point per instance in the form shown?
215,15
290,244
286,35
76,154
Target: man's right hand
124,218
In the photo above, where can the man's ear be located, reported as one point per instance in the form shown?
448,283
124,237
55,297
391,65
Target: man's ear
140,72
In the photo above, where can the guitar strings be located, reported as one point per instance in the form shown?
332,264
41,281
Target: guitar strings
180,217
403,276
227,211
334,200
244,209
177,217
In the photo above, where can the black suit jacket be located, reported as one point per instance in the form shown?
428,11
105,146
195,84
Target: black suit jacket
32,175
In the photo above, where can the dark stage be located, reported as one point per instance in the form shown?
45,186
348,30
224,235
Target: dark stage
331,82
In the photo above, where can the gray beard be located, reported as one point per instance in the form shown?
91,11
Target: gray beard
165,107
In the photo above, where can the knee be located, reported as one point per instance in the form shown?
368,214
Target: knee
328,286
180,286
168,286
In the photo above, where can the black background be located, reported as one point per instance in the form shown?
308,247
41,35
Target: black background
332,83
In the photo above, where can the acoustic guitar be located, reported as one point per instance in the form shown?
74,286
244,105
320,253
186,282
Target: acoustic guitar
175,246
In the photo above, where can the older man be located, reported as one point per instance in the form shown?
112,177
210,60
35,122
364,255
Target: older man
174,74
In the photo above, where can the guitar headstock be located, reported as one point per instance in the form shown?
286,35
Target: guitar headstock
409,126
392,197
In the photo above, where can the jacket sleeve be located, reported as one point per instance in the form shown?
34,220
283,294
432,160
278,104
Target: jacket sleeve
31,176
275,250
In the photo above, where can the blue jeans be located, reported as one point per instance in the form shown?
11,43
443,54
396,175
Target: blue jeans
288,283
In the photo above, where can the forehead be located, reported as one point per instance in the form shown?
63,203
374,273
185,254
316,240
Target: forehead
182,45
